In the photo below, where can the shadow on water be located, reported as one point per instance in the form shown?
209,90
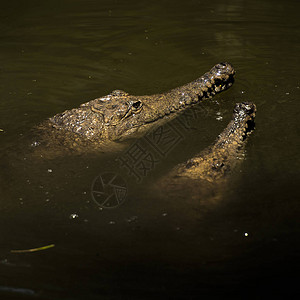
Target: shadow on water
59,54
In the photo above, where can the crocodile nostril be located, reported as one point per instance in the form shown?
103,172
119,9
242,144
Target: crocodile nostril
218,82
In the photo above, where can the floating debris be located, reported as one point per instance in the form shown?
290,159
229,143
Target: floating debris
219,116
17,290
132,219
35,144
33,249
73,216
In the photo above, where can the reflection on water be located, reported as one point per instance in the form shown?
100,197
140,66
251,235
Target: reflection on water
59,54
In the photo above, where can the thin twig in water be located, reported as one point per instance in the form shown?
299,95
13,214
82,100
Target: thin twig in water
33,250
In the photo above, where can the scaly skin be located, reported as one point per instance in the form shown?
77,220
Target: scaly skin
119,114
217,161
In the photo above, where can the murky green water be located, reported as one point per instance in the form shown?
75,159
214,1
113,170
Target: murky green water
56,55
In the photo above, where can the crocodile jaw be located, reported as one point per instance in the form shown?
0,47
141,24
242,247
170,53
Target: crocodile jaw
216,161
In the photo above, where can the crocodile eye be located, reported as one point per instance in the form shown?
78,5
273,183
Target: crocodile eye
137,104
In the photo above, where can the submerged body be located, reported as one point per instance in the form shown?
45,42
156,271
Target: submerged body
118,115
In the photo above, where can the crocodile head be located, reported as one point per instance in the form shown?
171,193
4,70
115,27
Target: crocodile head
119,114
203,180
99,118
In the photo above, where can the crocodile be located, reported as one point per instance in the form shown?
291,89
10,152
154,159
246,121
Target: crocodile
207,171
119,115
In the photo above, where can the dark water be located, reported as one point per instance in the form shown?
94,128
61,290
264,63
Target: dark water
56,55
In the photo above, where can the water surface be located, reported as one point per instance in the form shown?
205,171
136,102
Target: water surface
59,54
